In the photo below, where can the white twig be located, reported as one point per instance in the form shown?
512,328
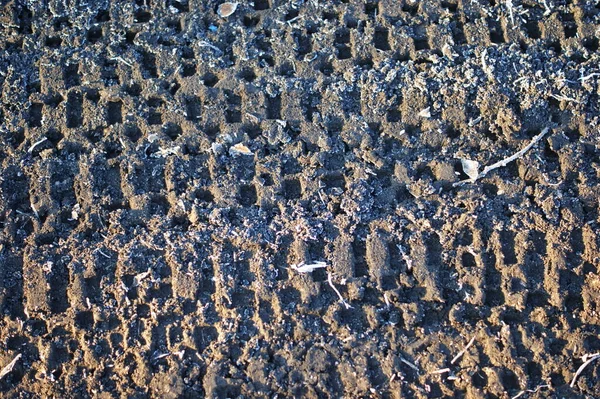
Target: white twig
30,150
342,300
441,371
547,8
303,268
591,75
409,364
475,121
207,44
139,277
122,60
161,356
509,6
405,257
9,367
517,155
462,352
560,97
530,391
583,366
505,161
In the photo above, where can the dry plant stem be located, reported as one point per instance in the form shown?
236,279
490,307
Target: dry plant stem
43,140
304,268
342,300
409,364
517,155
8,368
462,352
583,366
530,391
441,371
507,160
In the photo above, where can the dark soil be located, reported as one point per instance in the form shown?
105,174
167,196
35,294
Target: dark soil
162,168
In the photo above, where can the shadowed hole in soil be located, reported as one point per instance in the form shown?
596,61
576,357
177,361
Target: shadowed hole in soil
142,16
507,240
114,112
84,320
371,9
273,107
496,31
292,189
532,28
591,44
193,108
74,109
94,34
188,70
204,195
71,75
261,5
233,112
133,133
381,39
54,136
343,52
210,79
248,195
53,42
251,21
35,115
172,130
422,43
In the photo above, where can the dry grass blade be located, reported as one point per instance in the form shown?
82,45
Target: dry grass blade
530,391
342,300
507,160
583,366
303,268
462,352
441,371
139,277
409,364
9,367
34,145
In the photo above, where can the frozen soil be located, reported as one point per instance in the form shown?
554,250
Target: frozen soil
162,168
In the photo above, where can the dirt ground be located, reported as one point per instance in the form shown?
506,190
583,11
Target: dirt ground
167,174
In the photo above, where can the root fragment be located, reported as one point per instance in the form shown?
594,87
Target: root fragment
462,352
474,176
590,359
9,367
342,300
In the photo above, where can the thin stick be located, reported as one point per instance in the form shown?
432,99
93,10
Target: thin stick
507,160
560,97
342,300
509,6
441,371
409,364
304,268
517,155
207,44
583,366
462,352
43,140
591,75
8,368
122,60
530,391
405,257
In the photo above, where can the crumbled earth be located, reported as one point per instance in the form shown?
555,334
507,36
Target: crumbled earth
163,168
